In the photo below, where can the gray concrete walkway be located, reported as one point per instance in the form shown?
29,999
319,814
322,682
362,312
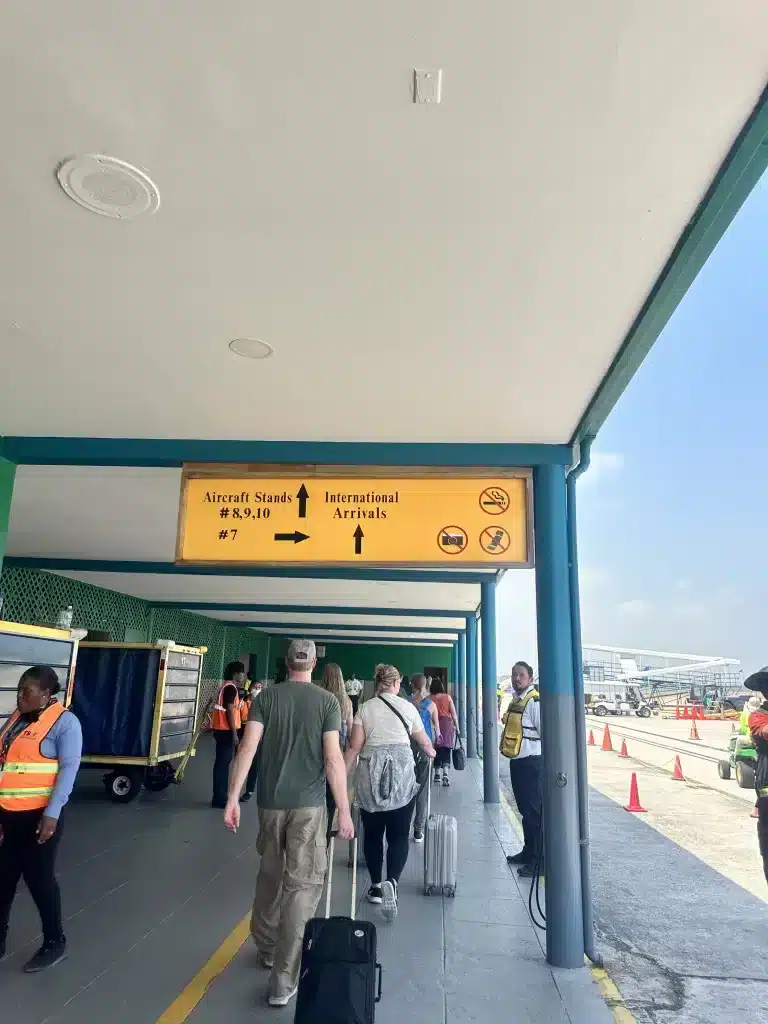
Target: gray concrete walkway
473,958
152,890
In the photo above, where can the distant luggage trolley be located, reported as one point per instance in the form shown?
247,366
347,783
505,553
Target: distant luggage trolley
138,706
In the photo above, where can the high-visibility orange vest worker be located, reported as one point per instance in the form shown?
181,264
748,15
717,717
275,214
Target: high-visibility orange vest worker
226,723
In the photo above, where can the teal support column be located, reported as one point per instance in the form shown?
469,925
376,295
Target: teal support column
7,477
490,682
462,687
455,673
266,666
471,685
223,653
565,936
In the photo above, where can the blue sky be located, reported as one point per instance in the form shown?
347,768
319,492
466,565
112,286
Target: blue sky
673,518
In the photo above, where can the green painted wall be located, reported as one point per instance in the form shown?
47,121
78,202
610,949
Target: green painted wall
362,659
37,597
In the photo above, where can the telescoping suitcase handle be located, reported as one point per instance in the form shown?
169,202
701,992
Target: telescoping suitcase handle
329,886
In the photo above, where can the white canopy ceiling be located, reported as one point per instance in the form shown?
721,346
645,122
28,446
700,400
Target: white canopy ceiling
455,272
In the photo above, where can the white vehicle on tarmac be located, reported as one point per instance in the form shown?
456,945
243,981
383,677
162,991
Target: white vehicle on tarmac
603,699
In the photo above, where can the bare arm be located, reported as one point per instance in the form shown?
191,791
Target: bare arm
454,716
434,718
336,774
421,739
354,745
245,755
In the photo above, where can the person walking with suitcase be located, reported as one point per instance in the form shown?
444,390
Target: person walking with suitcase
521,743
428,711
385,781
297,726
448,731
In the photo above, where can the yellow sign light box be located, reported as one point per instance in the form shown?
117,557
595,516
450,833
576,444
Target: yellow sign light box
284,515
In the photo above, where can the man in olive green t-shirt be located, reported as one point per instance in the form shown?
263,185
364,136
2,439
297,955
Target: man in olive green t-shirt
297,725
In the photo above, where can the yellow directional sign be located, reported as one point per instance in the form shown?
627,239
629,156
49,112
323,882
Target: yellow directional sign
319,518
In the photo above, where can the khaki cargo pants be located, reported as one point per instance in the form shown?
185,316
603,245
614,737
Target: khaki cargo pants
294,856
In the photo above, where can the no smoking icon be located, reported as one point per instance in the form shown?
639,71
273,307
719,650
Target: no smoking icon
494,501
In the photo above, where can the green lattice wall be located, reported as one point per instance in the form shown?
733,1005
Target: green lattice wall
37,598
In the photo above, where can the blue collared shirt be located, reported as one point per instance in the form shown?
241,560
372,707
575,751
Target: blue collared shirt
64,742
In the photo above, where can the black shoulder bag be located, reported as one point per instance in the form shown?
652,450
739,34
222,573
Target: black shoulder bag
421,763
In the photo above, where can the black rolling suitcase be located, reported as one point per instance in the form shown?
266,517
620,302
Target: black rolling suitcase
340,980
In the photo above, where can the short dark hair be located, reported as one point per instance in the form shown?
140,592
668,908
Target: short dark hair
232,670
526,666
44,676
436,687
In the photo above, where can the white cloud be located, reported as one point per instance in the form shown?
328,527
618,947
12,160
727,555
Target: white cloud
603,465
634,609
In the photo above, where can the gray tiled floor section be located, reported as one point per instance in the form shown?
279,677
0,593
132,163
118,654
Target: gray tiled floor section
152,889
473,958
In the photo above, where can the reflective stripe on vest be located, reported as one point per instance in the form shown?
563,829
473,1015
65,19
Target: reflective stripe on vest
27,778
219,719
514,731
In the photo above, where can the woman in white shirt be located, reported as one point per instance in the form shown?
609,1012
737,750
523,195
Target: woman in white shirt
385,781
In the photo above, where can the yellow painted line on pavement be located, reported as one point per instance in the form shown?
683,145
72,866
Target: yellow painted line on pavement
511,816
186,1001
610,993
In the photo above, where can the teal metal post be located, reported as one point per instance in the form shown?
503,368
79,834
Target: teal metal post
7,477
455,672
565,936
471,685
490,682
462,687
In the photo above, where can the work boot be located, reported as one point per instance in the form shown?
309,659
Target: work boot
49,954
519,858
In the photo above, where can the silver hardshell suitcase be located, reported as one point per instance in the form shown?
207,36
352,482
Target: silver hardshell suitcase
441,848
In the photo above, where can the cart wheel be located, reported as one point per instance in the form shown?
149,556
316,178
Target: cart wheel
428,890
124,784
745,775
159,777
724,769
644,712
601,711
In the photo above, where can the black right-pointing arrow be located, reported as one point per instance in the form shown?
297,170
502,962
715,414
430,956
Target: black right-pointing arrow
296,537
302,495
358,535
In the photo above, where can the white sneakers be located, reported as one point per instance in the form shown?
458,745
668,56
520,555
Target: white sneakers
283,1000
389,900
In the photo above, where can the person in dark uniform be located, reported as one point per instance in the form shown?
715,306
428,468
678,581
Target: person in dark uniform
40,748
226,724
758,727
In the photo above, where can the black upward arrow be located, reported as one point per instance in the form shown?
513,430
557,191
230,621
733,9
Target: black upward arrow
358,535
296,537
302,495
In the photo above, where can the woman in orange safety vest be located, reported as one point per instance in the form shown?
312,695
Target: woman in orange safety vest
40,748
226,724
251,693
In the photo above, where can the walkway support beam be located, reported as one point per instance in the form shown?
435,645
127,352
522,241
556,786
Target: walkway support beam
7,477
490,683
462,687
565,937
471,685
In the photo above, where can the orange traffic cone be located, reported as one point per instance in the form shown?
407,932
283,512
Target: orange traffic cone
694,731
623,752
591,740
634,804
755,813
677,774
607,745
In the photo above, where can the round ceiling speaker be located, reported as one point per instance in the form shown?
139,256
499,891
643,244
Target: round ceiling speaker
110,187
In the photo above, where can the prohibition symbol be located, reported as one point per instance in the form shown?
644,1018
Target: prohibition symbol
494,501
494,540
452,540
